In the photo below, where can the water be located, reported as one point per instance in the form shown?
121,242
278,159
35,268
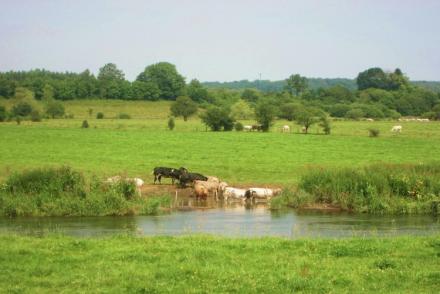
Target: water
238,221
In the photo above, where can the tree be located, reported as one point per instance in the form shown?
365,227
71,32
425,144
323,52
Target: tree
48,92
183,106
196,91
265,113
216,118
372,78
397,80
171,123
145,91
241,110
324,123
308,116
250,95
289,110
21,108
355,113
296,84
170,83
55,109
112,83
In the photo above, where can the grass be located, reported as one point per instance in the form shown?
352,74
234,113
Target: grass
378,189
64,192
204,264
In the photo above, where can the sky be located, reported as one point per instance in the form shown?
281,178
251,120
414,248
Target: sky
224,40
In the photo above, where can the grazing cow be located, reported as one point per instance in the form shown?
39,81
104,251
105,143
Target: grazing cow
304,129
369,119
187,177
168,172
262,193
396,129
211,187
247,128
285,129
256,128
234,194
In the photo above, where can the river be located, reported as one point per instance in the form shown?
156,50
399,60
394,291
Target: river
234,221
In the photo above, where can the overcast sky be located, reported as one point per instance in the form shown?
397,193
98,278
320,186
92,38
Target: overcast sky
224,40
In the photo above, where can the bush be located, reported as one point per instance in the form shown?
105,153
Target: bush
55,109
85,124
373,132
100,115
238,126
124,116
325,125
21,109
51,180
126,188
355,114
35,116
2,113
171,123
217,118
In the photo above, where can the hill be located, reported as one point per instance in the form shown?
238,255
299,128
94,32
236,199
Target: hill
314,84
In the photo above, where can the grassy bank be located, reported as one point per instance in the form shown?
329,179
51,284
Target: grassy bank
64,192
201,264
379,189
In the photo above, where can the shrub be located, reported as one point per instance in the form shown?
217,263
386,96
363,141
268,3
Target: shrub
51,180
21,109
355,114
325,125
183,106
238,126
2,113
124,116
373,132
100,115
217,118
85,124
35,116
171,123
55,109
126,188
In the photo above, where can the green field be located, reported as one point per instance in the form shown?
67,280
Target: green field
200,264
136,146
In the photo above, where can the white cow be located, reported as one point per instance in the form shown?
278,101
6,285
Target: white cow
222,186
232,194
263,193
285,129
213,179
247,128
396,129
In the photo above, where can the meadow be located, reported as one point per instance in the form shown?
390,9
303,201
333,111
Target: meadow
135,146
206,264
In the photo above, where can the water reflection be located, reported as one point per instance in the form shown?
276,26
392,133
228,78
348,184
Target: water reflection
233,219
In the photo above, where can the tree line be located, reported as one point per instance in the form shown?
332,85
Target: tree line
378,94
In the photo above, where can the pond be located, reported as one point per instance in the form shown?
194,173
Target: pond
234,221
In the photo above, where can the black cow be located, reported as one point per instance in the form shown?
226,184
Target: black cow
187,177
256,128
168,172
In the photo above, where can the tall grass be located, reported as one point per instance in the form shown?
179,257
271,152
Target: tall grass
65,192
386,188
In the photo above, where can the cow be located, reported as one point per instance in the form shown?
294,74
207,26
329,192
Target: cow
261,193
234,194
369,119
200,191
256,128
396,129
187,177
211,187
222,186
247,128
285,129
213,179
167,172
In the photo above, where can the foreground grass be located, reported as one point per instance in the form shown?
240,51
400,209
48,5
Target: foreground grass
200,264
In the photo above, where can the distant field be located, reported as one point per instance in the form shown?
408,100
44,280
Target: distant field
135,146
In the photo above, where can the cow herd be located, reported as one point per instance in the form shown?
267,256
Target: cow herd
205,186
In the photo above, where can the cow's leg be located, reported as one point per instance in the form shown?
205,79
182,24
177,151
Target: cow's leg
172,180
159,178
155,178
